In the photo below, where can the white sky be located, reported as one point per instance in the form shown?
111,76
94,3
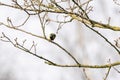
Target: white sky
18,65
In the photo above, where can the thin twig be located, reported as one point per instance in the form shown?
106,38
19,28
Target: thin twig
42,25
21,7
116,69
84,71
104,38
17,45
107,73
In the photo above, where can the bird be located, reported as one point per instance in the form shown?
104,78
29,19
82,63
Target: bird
52,36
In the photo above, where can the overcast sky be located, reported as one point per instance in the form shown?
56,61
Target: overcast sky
86,45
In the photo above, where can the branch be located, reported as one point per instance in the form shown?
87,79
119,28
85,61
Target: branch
104,38
107,71
88,66
17,45
44,39
71,14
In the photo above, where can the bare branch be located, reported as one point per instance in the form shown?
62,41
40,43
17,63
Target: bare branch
116,70
84,70
107,71
17,45
63,14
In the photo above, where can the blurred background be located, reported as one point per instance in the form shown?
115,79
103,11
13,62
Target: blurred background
84,44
